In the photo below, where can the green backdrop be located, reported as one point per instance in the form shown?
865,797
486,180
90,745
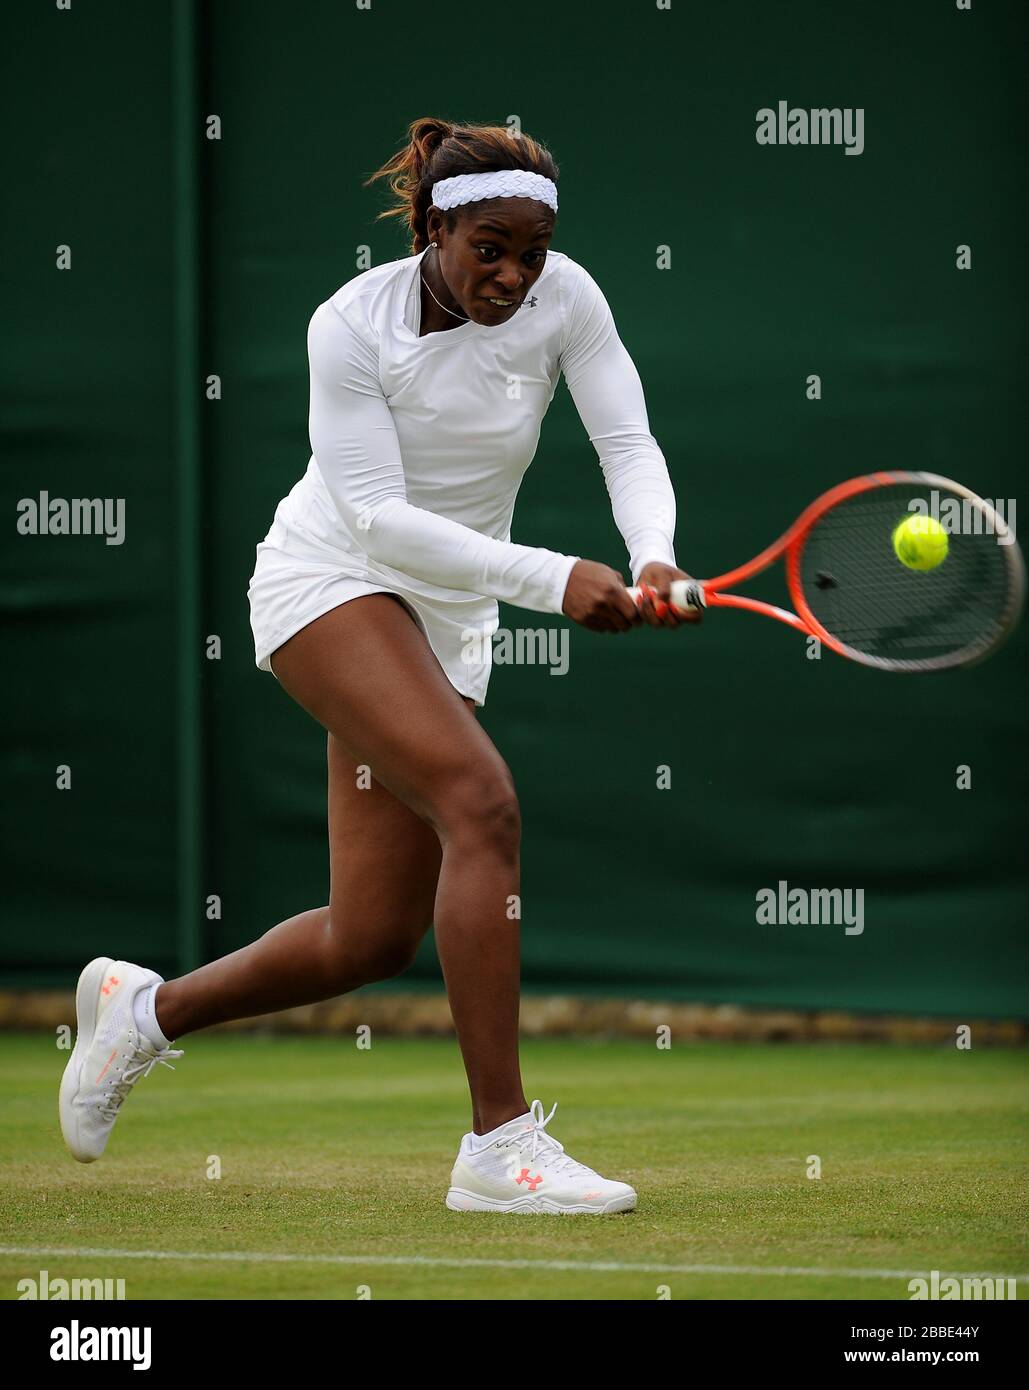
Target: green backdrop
193,257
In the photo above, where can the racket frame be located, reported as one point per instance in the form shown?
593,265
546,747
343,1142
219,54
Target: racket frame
711,593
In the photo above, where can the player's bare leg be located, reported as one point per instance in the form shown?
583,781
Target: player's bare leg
442,810
384,866
445,811
440,823
385,862
366,672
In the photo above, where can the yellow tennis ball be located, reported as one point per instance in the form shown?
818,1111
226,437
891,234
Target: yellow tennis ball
920,542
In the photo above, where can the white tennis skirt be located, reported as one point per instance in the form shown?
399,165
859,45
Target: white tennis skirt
295,582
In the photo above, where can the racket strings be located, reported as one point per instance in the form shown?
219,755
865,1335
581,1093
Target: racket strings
863,595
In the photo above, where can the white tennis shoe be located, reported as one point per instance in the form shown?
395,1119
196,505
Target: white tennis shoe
522,1168
109,1057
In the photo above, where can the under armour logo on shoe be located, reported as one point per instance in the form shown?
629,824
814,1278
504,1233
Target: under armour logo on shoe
111,980
523,1176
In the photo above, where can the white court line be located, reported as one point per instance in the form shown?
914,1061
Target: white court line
433,1262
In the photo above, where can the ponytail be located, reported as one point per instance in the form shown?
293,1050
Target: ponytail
437,150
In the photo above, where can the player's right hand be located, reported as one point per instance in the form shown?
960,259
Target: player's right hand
596,597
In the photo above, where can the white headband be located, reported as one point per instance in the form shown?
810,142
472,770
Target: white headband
501,183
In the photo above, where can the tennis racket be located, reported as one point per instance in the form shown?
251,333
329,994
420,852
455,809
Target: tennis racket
851,590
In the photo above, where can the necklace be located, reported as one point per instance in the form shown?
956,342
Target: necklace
464,317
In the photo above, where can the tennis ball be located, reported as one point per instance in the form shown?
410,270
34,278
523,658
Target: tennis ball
920,542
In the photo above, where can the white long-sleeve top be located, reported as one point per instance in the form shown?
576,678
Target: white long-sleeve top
420,443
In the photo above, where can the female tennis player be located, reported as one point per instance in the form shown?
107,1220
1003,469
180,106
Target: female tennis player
430,377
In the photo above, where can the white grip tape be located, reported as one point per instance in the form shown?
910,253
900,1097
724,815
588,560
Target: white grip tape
684,593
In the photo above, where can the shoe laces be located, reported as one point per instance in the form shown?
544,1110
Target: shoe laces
545,1145
142,1064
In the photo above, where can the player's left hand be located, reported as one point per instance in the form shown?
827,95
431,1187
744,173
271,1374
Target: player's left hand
656,581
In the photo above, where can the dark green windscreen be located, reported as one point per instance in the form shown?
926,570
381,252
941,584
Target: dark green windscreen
785,262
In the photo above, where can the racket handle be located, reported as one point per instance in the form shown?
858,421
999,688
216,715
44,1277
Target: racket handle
684,593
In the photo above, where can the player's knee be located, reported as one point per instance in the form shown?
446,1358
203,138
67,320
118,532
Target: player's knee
483,809
389,960
354,960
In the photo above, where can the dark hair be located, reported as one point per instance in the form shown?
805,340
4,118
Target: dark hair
438,150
